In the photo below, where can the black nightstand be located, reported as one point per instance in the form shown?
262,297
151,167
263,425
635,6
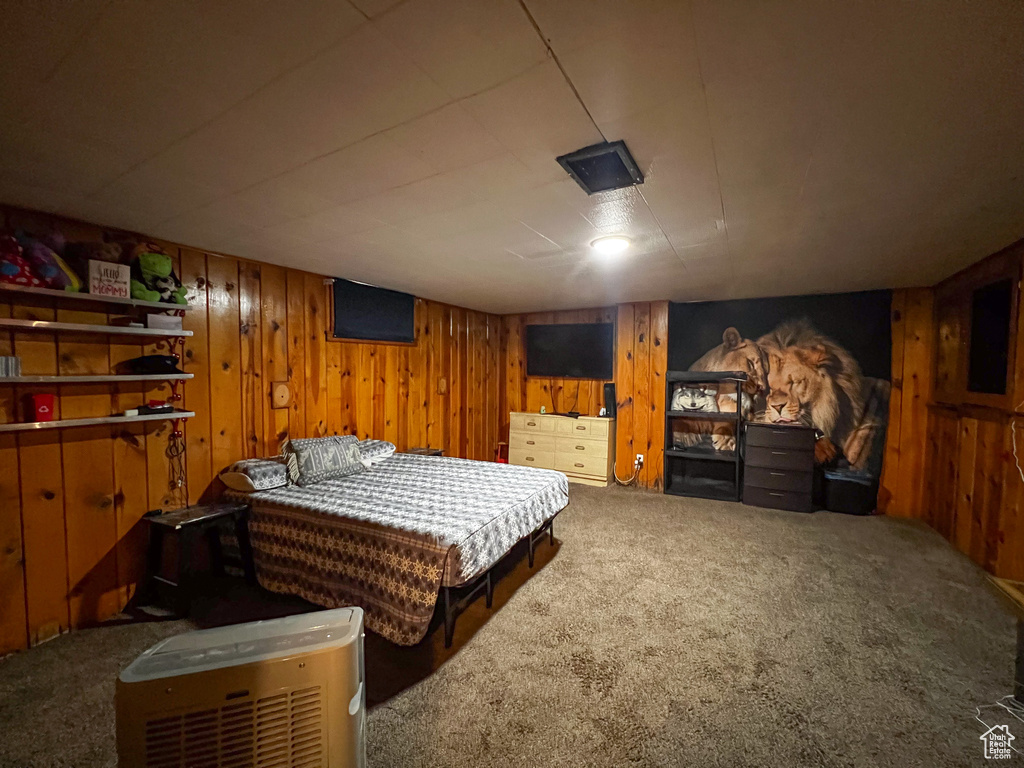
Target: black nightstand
187,525
778,469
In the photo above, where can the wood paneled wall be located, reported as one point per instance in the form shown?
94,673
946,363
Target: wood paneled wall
71,542
965,476
641,360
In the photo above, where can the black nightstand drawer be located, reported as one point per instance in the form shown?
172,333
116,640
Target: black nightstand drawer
779,458
796,438
779,479
763,497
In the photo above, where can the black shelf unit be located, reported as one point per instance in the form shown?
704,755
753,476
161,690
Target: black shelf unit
700,471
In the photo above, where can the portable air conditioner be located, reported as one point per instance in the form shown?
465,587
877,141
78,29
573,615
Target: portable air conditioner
284,693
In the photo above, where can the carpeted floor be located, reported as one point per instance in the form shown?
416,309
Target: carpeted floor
657,632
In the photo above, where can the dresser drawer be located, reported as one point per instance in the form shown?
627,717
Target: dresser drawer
582,427
779,458
778,479
529,422
579,446
532,441
796,438
524,457
763,497
582,465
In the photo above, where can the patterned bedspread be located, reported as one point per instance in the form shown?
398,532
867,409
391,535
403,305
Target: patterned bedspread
388,538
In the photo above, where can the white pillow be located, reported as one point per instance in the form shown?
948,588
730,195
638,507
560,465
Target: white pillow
251,475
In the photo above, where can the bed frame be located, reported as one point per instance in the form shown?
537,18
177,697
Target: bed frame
455,603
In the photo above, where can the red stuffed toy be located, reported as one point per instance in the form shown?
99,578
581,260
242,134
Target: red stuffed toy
13,266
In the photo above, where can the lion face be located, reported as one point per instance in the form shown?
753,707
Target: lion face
748,357
736,353
801,389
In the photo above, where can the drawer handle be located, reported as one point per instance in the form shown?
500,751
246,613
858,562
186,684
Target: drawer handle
780,453
777,474
581,447
770,493
778,431
529,458
531,423
580,426
530,442
577,464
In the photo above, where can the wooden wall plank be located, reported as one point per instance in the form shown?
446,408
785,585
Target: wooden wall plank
624,379
254,398
274,337
314,354
196,360
296,314
891,460
227,444
659,367
919,344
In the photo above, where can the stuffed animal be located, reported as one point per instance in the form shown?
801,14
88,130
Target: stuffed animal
14,268
153,279
47,265
78,255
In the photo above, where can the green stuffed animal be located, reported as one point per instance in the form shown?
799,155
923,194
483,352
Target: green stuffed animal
153,279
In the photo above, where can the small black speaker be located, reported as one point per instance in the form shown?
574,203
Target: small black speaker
609,399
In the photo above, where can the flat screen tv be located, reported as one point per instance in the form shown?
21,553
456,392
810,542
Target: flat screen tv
578,351
369,313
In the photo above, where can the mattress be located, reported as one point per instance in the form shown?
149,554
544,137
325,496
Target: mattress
388,538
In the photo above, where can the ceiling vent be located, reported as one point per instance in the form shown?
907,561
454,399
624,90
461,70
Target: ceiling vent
601,167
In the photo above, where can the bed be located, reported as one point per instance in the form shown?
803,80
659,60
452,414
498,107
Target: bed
392,538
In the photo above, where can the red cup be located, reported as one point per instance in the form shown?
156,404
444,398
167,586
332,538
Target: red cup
42,407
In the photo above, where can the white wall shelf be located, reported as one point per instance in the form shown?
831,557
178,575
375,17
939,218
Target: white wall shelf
93,422
96,379
50,293
110,330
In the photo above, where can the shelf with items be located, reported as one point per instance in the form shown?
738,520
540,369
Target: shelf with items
30,426
697,468
110,330
22,291
113,378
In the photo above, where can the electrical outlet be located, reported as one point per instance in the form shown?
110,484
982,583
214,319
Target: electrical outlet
639,460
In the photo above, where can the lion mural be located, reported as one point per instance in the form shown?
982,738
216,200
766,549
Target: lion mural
814,381
797,375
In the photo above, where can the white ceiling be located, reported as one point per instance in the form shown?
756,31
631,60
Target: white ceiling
791,146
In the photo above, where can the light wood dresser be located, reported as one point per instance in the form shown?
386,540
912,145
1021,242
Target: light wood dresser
582,448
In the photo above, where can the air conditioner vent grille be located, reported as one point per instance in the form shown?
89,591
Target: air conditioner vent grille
280,731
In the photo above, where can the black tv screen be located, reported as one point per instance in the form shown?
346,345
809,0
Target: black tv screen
581,351
369,313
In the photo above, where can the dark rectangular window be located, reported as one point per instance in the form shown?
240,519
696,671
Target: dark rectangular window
368,313
991,307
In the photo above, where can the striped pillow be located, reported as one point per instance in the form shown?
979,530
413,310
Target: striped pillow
313,460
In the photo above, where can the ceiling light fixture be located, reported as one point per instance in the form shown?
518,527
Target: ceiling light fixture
612,245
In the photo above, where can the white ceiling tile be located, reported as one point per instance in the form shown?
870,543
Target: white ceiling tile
348,93
375,7
537,118
186,63
44,154
26,60
464,45
359,171
447,139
